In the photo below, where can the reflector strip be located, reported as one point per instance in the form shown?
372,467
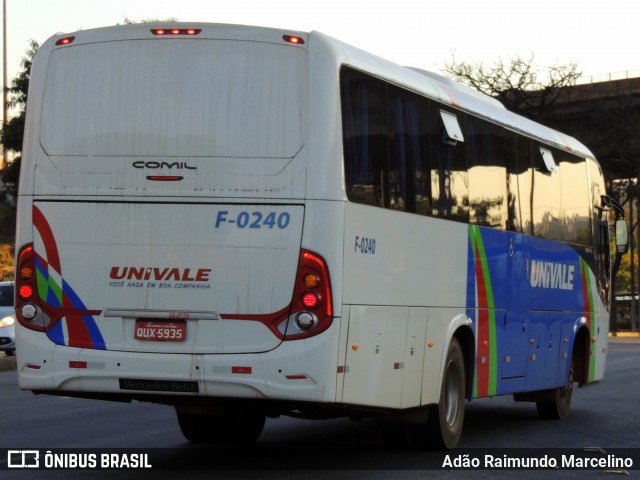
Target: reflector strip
165,178
296,377
241,370
77,364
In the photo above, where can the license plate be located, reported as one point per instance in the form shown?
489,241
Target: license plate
153,331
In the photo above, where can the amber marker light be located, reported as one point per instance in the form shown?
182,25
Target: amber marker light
26,273
311,281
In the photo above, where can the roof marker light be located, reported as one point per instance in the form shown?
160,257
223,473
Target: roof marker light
293,39
176,31
65,40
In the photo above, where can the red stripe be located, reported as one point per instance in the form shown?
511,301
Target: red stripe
483,330
78,334
45,232
270,320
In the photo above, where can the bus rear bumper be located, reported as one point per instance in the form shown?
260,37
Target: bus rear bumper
285,373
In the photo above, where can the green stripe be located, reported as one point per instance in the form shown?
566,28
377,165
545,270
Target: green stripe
493,351
56,289
592,322
41,283
472,238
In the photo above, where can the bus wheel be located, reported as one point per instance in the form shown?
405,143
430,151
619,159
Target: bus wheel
233,426
558,408
444,426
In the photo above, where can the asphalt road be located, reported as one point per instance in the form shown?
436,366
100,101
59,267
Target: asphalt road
604,416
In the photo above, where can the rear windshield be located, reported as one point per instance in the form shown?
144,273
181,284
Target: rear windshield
174,97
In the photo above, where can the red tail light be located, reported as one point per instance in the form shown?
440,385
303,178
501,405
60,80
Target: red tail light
311,308
28,309
25,292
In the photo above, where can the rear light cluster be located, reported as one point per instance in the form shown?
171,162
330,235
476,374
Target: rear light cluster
311,307
28,311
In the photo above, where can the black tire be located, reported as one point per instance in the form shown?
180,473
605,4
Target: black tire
234,426
444,426
558,408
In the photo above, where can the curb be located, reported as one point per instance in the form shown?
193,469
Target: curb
625,334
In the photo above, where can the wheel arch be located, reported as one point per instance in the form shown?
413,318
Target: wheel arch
580,352
465,337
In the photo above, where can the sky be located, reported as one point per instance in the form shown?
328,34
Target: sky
601,36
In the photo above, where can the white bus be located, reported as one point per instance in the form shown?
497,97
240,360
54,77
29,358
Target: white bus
247,222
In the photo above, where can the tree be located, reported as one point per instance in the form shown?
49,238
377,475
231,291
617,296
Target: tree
128,21
11,136
517,83
12,133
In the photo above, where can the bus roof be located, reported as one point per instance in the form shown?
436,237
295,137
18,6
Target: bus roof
428,83
459,96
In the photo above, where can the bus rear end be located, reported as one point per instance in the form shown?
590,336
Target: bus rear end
161,219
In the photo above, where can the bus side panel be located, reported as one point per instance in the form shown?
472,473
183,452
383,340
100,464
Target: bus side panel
550,289
385,356
394,354
398,259
377,339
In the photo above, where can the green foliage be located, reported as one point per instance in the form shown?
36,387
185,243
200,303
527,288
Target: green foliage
11,137
12,134
6,262
623,276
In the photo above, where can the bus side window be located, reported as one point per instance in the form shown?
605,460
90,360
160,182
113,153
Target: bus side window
576,206
364,128
408,151
449,186
546,202
487,170
520,185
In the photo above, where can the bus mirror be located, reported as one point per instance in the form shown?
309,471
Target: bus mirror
622,237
